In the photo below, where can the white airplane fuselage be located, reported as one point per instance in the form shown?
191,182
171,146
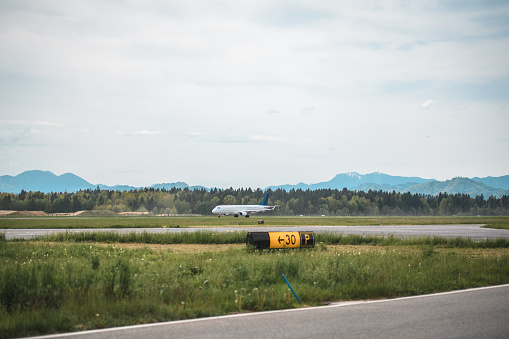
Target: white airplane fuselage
243,210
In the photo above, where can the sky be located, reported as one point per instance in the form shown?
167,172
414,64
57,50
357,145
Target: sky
253,93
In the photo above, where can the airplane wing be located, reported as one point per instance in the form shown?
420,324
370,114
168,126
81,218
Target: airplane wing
263,208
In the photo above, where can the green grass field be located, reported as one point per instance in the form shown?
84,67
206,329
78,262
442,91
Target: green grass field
76,281
145,222
56,285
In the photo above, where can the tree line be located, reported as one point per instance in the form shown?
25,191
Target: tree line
294,202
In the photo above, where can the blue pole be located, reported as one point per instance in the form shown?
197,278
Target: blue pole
295,294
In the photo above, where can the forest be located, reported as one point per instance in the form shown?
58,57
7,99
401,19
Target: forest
294,202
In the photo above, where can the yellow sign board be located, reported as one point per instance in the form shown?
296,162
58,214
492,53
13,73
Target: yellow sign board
291,239
278,240
284,239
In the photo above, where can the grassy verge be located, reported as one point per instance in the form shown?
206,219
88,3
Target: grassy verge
48,287
238,237
458,242
204,237
143,222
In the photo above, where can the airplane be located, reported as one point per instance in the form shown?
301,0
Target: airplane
243,210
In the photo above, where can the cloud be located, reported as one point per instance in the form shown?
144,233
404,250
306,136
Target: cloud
307,111
30,123
305,76
202,137
46,123
427,104
145,132
273,111
270,138
141,132
234,138
229,139
286,15
16,131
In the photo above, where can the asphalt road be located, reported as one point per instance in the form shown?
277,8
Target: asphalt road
450,231
474,313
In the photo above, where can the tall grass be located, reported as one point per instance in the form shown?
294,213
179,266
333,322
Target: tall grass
238,237
390,240
48,288
204,237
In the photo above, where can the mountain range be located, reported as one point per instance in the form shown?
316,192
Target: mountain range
354,180
45,181
488,186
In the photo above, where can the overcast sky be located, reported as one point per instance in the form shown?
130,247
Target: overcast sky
253,93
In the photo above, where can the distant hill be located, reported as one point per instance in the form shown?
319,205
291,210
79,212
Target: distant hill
178,184
45,181
457,185
384,187
354,180
453,186
497,182
116,187
378,181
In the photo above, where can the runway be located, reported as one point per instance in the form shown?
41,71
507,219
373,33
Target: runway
473,313
448,231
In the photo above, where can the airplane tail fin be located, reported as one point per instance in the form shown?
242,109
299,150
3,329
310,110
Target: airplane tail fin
265,200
